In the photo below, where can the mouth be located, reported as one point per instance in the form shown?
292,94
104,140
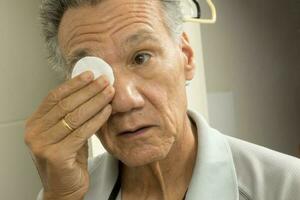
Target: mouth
136,131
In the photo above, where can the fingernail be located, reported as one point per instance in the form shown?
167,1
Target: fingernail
109,90
87,76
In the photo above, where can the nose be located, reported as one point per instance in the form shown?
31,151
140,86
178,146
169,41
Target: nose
127,96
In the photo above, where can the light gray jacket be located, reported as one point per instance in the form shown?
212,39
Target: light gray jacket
226,169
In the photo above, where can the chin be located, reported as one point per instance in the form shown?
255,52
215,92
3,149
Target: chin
143,157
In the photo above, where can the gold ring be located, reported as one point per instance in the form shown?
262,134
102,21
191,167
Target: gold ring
67,125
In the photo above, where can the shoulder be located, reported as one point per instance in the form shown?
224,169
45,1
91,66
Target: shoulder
263,173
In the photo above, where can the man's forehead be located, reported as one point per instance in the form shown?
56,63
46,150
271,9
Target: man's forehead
134,37
103,23
109,10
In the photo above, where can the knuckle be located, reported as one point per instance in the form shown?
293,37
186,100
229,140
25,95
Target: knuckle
73,119
28,140
53,96
64,106
45,123
32,124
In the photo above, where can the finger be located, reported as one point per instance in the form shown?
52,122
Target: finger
55,134
61,92
78,138
90,108
79,116
70,103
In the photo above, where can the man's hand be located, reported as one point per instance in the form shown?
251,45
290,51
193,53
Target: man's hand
60,154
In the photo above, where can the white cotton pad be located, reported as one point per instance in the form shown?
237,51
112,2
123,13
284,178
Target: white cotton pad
96,65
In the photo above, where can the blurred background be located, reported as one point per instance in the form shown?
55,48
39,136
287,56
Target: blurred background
247,83
252,70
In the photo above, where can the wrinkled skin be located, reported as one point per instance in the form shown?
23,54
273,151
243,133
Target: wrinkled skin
152,93
150,70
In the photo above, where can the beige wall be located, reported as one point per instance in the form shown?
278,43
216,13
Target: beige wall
24,80
253,53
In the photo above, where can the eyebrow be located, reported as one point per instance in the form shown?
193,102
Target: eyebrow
133,40
76,56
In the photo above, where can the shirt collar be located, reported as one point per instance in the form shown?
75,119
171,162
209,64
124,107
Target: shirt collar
214,175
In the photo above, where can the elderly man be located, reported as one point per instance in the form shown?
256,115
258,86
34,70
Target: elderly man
157,149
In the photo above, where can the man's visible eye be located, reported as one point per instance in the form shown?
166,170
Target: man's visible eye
141,58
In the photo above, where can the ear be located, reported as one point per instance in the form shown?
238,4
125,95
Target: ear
188,56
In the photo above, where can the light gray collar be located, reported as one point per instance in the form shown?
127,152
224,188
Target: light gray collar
214,175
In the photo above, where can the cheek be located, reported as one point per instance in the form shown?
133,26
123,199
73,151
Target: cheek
169,103
107,139
164,92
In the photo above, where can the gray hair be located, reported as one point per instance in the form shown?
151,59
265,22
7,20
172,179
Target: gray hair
52,11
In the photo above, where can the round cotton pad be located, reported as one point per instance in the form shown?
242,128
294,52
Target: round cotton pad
96,65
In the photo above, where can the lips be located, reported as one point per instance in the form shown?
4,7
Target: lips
132,131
